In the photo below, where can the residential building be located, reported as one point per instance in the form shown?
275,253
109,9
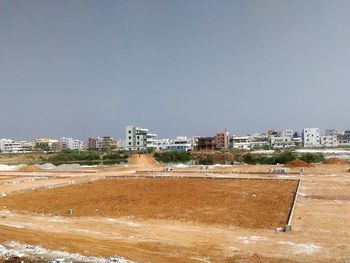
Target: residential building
240,142
287,133
206,143
222,140
103,143
193,141
282,142
162,144
56,147
180,144
94,143
47,141
271,133
12,146
137,139
70,144
329,141
259,141
120,144
331,132
343,138
347,136
311,137
109,143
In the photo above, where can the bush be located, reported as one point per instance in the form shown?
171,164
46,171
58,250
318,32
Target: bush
87,157
173,157
283,157
312,157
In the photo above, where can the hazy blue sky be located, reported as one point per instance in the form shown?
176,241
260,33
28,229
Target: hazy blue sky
81,68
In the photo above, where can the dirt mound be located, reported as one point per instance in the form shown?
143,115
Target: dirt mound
335,160
297,163
143,160
30,168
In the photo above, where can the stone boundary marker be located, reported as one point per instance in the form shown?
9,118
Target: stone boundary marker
214,172
288,227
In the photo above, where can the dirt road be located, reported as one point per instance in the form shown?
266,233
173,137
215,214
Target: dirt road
143,161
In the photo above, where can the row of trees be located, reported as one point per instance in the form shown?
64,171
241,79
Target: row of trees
282,158
172,157
87,157
279,157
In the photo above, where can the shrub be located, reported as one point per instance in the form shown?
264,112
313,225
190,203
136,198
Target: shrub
312,157
282,158
172,157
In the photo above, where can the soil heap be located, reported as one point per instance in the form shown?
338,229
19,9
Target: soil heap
335,160
30,168
297,163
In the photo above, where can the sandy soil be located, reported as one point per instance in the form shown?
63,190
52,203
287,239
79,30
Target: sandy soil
320,228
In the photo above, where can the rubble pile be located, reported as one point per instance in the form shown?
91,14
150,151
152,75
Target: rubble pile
10,251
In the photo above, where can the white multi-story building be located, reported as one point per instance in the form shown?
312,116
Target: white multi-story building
71,144
259,141
120,144
282,142
45,140
101,143
311,137
287,133
240,142
329,141
162,144
137,139
12,146
179,144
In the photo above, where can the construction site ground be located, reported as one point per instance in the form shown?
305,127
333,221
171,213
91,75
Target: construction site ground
139,231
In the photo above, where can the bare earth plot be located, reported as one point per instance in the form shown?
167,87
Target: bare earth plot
187,220
244,203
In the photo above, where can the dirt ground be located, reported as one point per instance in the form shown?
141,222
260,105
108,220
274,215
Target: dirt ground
243,203
143,161
320,228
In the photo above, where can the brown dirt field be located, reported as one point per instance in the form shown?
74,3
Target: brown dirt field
243,203
140,252
30,168
335,161
297,163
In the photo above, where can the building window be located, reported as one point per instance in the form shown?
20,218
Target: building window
129,137
129,143
129,131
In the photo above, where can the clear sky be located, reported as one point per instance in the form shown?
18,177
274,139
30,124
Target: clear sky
89,68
